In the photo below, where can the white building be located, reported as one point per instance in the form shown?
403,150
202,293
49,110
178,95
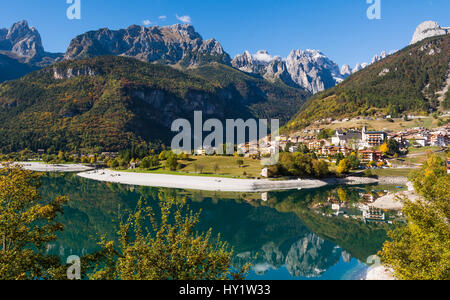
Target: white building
438,140
265,172
371,139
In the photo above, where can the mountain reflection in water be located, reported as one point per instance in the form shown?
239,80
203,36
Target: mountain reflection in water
283,238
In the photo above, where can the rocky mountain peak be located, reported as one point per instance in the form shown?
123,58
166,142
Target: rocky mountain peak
22,40
308,69
313,70
346,70
187,30
176,44
377,57
428,29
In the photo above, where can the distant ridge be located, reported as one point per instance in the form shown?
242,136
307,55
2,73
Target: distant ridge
410,80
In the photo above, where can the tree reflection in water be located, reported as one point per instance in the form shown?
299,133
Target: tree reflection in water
280,233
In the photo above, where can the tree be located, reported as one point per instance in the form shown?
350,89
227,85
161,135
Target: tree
114,163
354,161
342,195
145,163
339,157
344,166
384,148
421,249
169,249
394,147
320,168
163,155
300,165
26,227
326,133
302,148
150,162
171,163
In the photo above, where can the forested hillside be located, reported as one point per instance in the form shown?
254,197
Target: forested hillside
111,103
407,81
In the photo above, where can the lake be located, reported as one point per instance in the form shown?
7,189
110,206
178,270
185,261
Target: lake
284,235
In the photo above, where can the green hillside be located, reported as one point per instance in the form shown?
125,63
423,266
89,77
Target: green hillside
406,81
111,103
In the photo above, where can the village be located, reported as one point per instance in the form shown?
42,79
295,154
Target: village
367,144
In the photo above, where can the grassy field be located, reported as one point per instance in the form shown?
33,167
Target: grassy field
413,150
391,172
214,166
417,156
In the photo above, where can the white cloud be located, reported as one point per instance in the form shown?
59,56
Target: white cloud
162,18
184,19
147,22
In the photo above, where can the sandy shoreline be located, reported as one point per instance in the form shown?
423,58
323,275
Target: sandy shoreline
216,183
391,201
57,168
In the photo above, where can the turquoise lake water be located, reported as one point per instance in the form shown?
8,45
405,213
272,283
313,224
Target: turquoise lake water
284,237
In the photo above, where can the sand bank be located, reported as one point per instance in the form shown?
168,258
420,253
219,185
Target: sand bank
58,168
392,201
216,183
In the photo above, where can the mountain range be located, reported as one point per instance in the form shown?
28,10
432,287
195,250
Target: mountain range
116,88
171,45
21,51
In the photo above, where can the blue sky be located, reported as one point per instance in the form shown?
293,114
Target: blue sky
339,28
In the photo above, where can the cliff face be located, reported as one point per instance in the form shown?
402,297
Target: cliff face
428,29
307,69
22,40
21,51
24,44
177,44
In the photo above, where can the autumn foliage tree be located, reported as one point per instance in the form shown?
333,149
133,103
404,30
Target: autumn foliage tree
27,225
421,249
344,166
384,148
164,246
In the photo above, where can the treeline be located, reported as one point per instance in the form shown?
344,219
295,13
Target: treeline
299,165
148,160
